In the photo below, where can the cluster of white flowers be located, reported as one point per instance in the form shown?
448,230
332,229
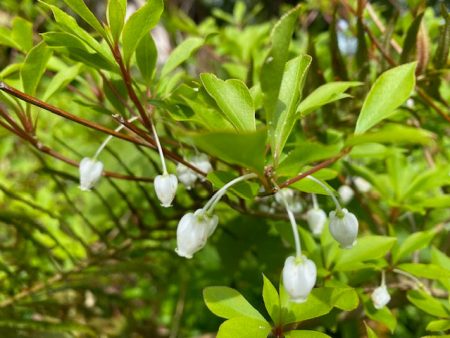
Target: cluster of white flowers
187,176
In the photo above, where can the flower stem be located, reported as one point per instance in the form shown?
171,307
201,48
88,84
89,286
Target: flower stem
314,200
105,142
160,151
383,278
330,193
298,248
209,206
413,278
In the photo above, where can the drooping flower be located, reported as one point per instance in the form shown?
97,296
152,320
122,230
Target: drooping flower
166,188
316,219
343,227
292,199
201,161
362,185
186,175
90,172
299,277
193,231
380,297
346,193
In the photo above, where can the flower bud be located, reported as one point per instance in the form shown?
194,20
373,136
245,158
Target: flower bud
192,232
90,172
346,193
362,185
380,297
343,227
299,277
316,219
166,188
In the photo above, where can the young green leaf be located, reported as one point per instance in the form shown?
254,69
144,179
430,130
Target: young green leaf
366,248
228,303
246,149
383,315
22,33
439,325
138,25
116,11
427,303
146,56
370,332
271,300
34,67
273,67
61,80
282,118
181,54
79,7
415,241
388,92
429,271
234,99
244,327
323,95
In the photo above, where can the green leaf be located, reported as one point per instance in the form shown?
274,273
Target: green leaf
388,92
282,118
429,271
413,242
180,54
271,300
246,150
440,258
22,33
34,67
116,11
7,40
79,7
245,189
439,325
370,332
138,25
77,50
61,80
234,100
69,25
228,303
146,56
383,315
306,334
305,153
392,133
274,64
319,302
312,187
427,303
366,248
410,42
244,327
323,95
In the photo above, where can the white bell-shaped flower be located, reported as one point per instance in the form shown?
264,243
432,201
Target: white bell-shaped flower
186,175
316,219
346,193
291,198
343,227
362,185
299,277
166,188
90,172
201,161
193,231
380,297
